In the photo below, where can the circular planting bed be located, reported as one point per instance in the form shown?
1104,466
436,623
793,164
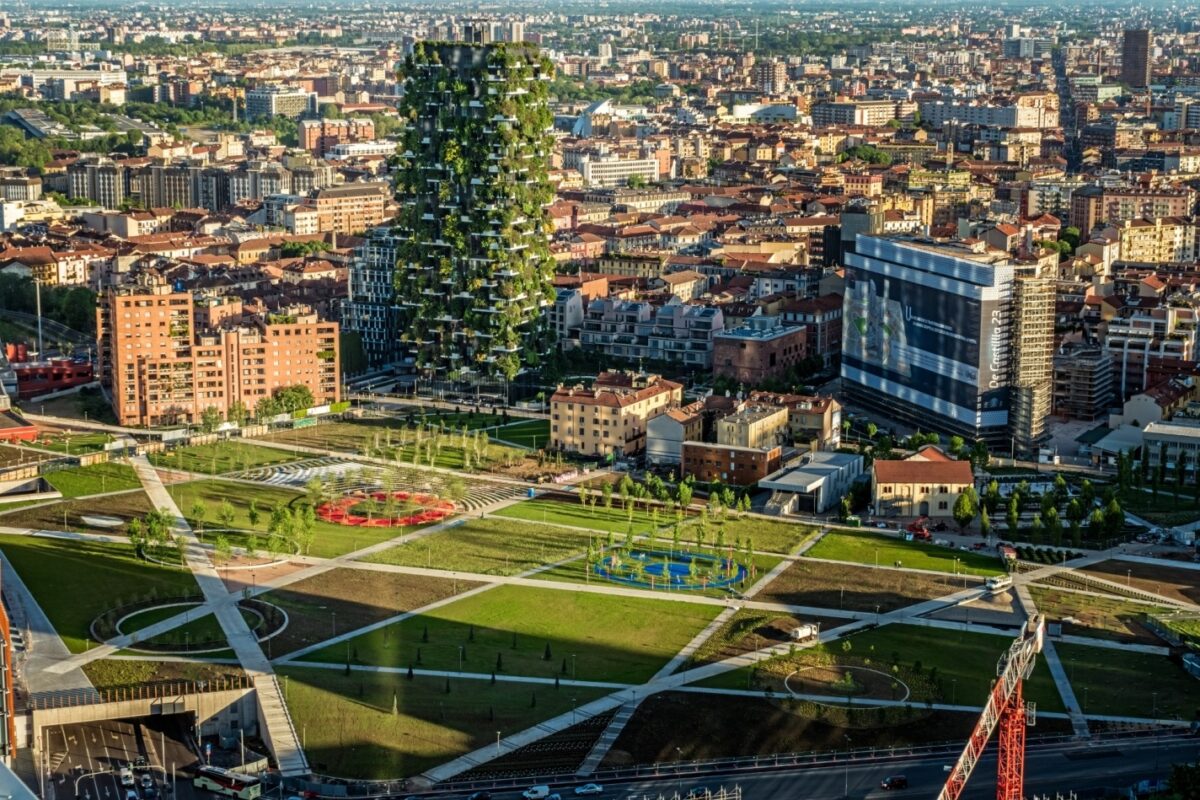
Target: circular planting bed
859,685
201,635
662,569
385,510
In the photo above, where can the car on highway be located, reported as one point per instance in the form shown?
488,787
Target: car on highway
894,782
589,788
131,794
541,792
480,796
126,775
147,780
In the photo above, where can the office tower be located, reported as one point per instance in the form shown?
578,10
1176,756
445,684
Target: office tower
474,266
1135,58
950,337
369,309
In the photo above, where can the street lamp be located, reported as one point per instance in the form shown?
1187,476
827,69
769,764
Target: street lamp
846,790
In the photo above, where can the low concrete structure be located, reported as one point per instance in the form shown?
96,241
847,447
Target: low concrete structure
815,485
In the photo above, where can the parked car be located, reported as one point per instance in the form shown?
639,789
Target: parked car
589,788
894,782
881,525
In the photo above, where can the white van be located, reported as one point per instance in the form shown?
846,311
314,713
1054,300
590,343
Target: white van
998,583
126,775
536,793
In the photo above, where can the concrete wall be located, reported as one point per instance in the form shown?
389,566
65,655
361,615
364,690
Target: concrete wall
218,713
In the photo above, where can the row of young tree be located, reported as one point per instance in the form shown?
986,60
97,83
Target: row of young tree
1049,525
284,400
882,446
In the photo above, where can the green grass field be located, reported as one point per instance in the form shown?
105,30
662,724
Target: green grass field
862,547
98,478
491,546
1099,617
329,540
573,572
348,727
575,514
532,433
768,535
392,439
612,638
202,629
75,443
220,457
1116,682
76,581
965,662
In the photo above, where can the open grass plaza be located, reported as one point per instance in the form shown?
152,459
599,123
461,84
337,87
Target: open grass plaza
421,611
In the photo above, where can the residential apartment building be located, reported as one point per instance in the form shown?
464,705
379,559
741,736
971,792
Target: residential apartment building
1134,339
676,332
610,417
1136,47
755,426
1163,240
97,179
1092,206
760,349
277,100
821,319
162,369
320,136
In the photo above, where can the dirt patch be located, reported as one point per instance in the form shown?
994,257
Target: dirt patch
125,505
1098,617
345,599
716,726
109,674
824,585
236,580
1175,583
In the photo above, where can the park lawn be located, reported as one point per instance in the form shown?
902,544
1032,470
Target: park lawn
76,581
767,535
201,630
74,443
96,479
348,728
863,547
329,540
561,512
1121,683
608,637
219,457
391,439
491,546
965,662
531,433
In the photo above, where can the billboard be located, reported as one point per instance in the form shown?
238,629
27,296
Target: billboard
939,342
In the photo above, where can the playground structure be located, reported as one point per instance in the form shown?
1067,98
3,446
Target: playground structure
664,569
394,509
1006,709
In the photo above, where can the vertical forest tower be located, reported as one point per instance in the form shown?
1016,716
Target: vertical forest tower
473,264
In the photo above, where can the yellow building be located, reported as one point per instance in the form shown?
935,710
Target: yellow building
611,416
916,487
757,426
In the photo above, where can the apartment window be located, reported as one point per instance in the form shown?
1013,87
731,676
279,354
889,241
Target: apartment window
941,505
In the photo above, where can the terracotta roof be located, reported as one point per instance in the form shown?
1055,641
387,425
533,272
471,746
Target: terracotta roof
943,472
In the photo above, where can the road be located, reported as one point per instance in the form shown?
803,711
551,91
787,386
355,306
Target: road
83,761
1085,770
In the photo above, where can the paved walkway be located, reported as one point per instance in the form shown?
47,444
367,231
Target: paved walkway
44,648
1078,722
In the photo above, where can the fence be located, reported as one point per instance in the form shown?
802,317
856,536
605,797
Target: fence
324,786
153,690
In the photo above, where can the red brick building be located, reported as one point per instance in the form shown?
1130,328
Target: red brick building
318,136
739,466
761,349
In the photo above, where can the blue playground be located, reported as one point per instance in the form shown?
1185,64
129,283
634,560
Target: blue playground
662,569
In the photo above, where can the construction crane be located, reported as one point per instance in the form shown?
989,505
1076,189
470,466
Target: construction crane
1006,709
